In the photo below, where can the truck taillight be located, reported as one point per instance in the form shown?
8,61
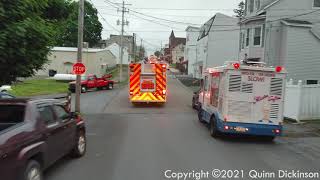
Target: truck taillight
279,69
277,131
164,92
131,93
236,65
78,119
164,66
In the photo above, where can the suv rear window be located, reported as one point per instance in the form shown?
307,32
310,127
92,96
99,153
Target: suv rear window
11,114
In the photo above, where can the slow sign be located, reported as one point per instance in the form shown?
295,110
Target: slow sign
79,69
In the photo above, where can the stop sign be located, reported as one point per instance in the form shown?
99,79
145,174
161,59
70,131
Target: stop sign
79,69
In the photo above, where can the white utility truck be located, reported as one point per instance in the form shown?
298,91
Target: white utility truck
243,98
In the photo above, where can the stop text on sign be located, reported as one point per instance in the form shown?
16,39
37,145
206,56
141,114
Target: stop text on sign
79,69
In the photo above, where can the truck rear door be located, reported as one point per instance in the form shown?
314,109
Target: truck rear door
148,78
254,97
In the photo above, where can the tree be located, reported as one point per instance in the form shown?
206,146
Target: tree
25,38
157,53
92,26
240,11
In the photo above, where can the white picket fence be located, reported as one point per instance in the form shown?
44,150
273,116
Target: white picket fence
302,102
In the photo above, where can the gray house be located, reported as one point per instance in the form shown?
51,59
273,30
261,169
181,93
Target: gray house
218,42
285,33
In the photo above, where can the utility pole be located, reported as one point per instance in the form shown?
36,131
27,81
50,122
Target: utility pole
79,56
140,53
134,47
123,23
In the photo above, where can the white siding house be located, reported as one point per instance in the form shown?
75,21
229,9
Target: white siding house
115,50
190,52
61,59
285,33
218,42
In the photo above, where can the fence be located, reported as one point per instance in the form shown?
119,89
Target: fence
302,102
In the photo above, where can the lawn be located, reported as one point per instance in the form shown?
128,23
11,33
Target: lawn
39,87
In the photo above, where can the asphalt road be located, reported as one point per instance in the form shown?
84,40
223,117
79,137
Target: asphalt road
141,143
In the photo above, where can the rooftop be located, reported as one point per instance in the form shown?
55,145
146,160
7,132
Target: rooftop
74,49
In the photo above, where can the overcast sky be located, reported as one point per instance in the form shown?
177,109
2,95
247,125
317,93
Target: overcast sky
156,31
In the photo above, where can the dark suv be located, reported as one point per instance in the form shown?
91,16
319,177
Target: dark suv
34,134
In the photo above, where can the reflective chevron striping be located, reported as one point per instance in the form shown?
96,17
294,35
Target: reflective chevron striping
156,96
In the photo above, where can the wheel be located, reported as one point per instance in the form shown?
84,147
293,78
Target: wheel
4,91
200,115
81,146
110,86
213,127
33,171
83,89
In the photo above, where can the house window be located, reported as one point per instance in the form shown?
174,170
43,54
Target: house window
263,34
242,40
246,8
257,36
251,6
316,3
248,38
309,82
257,3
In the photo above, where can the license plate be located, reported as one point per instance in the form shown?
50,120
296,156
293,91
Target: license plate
240,129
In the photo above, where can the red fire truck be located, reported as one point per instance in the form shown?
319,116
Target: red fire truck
148,82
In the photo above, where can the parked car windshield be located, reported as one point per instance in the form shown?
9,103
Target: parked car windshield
11,114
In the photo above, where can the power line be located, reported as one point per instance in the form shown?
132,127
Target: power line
172,21
152,21
155,22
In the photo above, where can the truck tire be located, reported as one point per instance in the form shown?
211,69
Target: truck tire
83,89
200,115
214,132
110,86
33,171
80,148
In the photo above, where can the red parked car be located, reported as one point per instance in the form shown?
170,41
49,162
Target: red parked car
92,81
34,134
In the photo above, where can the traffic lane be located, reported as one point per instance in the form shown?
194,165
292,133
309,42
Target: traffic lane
94,102
178,101
105,133
144,146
